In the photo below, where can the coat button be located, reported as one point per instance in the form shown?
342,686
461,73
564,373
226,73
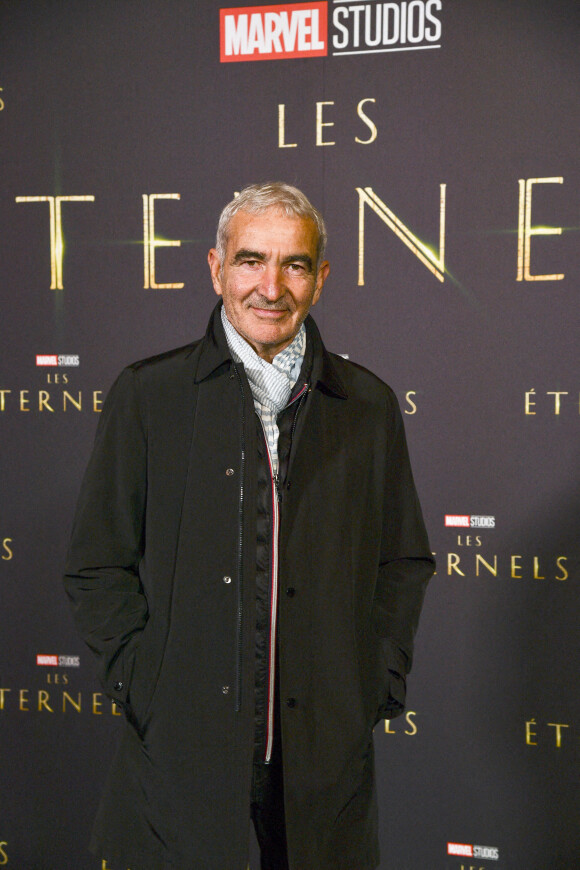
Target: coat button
229,471
227,579
290,592
291,702
225,690
117,686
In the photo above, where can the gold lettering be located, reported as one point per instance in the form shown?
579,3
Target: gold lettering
43,398
409,716
56,236
76,705
388,727
3,393
557,394
565,574
97,703
452,563
537,576
526,231
115,710
2,693
65,395
558,726
367,121
4,843
57,378
492,569
320,123
23,699
150,242
410,402
530,733
24,400
8,554
281,128
56,679
528,402
43,698
435,264
97,401
516,567
1,102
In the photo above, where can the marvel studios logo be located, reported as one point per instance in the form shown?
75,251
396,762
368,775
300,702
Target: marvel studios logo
52,661
294,30
469,521
53,359
467,851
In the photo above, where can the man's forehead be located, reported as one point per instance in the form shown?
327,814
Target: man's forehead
270,226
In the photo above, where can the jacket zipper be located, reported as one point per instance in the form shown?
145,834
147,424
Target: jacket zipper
240,610
273,604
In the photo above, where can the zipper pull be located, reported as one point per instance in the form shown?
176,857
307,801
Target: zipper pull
277,485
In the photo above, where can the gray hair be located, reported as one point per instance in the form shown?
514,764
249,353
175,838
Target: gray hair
257,198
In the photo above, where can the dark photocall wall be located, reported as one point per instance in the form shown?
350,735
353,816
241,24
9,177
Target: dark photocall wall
440,139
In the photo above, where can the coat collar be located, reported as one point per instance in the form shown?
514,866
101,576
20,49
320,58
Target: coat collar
215,353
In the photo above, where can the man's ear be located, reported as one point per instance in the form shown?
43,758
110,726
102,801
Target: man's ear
321,276
215,270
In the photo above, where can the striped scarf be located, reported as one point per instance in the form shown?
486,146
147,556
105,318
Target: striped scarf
271,383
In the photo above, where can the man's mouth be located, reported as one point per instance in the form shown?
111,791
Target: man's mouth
270,313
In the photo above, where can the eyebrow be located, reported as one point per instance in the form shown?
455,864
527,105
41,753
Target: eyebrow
245,254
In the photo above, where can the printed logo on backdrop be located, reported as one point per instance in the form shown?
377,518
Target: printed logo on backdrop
53,359
51,691
59,397
466,850
54,661
465,521
341,27
473,554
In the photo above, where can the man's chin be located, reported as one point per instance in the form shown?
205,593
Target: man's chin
269,340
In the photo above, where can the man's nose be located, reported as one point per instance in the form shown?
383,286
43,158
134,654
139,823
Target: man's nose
273,282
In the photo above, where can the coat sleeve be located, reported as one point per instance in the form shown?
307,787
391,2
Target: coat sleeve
406,564
102,571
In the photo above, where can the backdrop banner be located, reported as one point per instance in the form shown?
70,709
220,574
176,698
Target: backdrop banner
440,140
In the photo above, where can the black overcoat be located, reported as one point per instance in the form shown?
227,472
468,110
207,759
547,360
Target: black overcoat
161,573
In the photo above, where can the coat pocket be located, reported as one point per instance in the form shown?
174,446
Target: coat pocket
394,686
146,667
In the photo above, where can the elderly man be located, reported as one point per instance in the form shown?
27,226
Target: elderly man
248,563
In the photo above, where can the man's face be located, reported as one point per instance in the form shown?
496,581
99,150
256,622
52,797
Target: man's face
268,280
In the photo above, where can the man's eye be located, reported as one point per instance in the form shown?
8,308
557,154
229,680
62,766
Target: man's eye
296,267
